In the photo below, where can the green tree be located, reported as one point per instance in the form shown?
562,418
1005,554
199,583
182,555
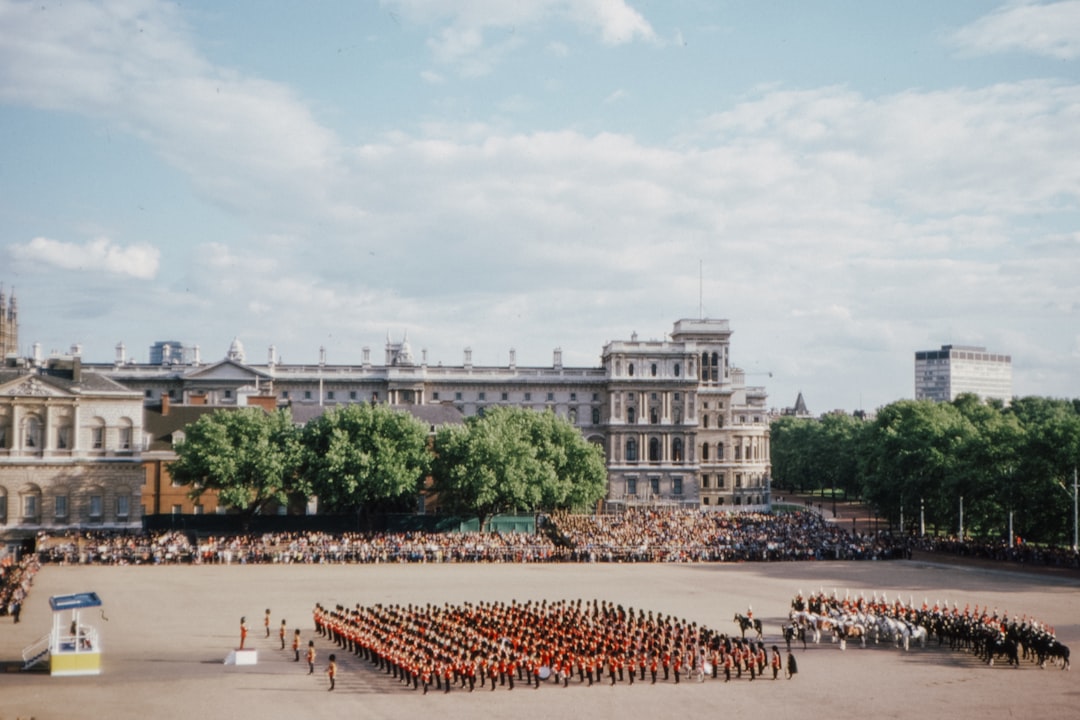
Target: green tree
514,460
365,456
1050,451
791,442
248,456
909,458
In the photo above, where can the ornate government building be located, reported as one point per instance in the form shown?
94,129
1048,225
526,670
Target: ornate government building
676,420
87,445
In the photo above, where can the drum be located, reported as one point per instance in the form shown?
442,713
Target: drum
545,672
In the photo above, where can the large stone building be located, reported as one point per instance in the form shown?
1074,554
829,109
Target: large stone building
942,375
70,441
676,420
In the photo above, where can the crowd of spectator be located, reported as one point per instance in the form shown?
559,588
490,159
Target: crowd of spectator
672,535
293,548
1000,551
636,535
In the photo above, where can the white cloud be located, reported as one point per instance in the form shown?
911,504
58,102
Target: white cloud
1050,29
875,219
241,139
475,34
98,255
615,96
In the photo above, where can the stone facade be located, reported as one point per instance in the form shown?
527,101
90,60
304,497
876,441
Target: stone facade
676,420
70,442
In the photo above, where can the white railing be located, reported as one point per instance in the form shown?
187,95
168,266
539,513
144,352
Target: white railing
37,652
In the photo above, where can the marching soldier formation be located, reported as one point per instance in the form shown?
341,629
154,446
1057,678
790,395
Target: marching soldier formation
490,645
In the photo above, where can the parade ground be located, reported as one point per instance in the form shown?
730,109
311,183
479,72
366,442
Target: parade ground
169,629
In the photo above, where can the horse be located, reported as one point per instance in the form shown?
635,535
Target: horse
746,623
911,631
1002,646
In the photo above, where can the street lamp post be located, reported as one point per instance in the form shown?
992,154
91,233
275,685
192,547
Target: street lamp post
1076,506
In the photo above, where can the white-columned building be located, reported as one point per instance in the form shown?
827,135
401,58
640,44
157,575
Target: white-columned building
942,375
70,442
675,418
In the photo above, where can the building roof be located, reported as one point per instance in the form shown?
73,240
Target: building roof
433,415
65,378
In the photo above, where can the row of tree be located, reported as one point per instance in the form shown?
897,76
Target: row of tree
922,462
368,458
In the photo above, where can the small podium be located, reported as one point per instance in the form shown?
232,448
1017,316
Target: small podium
247,656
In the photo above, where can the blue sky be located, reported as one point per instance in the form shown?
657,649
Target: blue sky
851,181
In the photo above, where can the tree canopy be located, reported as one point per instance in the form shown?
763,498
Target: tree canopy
513,460
921,456
248,456
364,455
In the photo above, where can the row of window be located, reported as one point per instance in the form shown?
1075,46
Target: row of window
654,369
33,435
750,500
719,481
31,508
654,486
654,446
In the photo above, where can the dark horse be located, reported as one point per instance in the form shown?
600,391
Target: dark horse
746,623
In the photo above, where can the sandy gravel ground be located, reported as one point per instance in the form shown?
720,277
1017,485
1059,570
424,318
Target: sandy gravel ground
169,629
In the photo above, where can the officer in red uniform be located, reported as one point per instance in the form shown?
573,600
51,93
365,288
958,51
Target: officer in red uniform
331,670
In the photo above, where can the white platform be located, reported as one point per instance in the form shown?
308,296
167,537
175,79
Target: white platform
242,657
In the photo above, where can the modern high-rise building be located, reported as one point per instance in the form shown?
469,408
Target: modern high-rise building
942,375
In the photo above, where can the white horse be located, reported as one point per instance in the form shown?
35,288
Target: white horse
911,632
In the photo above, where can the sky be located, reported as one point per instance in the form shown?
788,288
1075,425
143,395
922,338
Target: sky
845,182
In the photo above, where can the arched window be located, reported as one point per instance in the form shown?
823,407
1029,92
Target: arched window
676,450
719,451
97,434
630,369
705,367
654,450
631,415
677,369
652,370
125,434
631,450
705,451
715,367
